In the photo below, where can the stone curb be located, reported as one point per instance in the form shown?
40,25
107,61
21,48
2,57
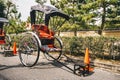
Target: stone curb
106,66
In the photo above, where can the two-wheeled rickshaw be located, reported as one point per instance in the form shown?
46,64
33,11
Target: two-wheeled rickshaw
42,38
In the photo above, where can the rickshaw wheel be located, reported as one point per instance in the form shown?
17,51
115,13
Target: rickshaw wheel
56,52
29,50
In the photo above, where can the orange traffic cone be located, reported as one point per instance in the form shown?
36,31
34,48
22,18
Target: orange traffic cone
87,59
14,49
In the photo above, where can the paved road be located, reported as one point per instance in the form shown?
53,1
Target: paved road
11,69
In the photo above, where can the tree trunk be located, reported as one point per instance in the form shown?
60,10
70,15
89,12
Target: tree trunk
75,33
103,19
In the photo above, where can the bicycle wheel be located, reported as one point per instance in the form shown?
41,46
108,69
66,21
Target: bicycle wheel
56,52
29,50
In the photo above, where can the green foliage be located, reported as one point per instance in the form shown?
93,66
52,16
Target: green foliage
70,8
80,14
55,23
15,25
113,19
83,13
99,47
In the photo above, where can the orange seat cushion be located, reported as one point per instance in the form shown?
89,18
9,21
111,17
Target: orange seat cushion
43,31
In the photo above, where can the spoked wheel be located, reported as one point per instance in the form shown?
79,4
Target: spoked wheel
55,52
29,50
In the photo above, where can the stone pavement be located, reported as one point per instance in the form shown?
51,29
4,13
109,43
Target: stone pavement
11,69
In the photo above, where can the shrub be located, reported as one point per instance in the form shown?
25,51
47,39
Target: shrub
99,47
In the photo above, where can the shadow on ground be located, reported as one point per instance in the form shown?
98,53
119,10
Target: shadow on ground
3,67
65,64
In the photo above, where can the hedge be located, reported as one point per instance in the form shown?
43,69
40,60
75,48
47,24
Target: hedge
99,47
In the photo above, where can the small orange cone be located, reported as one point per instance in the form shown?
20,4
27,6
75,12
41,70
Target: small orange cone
14,49
87,59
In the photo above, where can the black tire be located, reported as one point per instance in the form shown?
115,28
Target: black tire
55,54
29,50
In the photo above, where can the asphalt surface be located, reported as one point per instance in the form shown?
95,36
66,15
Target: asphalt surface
11,69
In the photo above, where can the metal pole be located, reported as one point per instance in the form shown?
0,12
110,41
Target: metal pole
61,63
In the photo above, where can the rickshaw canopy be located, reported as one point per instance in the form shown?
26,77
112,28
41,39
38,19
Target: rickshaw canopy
48,10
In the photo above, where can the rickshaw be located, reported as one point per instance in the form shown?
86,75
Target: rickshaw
43,38
45,20
5,40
